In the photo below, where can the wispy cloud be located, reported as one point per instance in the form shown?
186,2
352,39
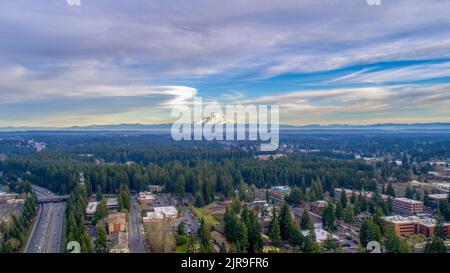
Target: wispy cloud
169,51
362,105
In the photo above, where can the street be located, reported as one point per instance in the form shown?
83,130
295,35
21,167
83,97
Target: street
135,230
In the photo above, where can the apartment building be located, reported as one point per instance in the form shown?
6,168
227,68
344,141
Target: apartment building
279,192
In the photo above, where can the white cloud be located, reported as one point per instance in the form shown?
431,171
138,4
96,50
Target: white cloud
361,105
20,84
404,74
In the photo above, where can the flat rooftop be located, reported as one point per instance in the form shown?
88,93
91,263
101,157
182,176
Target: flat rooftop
438,196
283,189
425,220
91,207
398,219
407,200
167,211
111,202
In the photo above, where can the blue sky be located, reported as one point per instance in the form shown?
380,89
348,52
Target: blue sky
322,61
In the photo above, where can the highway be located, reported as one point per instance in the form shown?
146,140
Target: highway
135,230
46,235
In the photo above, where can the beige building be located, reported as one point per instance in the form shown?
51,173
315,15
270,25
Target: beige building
161,213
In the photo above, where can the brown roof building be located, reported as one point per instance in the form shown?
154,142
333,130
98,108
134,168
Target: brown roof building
117,222
317,207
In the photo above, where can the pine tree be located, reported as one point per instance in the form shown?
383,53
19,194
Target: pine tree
181,184
254,234
343,198
305,223
378,218
101,211
310,246
125,194
369,232
362,202
236,205
205,238
426,198
339,211
391,241
275,236
439,230
390,190
409,193
330,243
101,241
435,246
349,214
231,223
286,222
329,217
99,193
242,236
199,201
297,236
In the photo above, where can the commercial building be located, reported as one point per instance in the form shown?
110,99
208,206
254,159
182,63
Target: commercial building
407,206
320,235
118,242
405,226
267,157
112,203
280,192
436,198
91,208
317,207
117,222
152,216
350,193
338,193
168,212
155,188
160,213
443,186
146,197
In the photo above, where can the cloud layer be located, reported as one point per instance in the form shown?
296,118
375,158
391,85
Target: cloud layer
321,56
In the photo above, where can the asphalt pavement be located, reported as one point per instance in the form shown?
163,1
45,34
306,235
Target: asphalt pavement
135,229
46,235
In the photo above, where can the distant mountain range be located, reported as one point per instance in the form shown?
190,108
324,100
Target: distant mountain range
159,127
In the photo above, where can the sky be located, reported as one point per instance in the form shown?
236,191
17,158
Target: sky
321,61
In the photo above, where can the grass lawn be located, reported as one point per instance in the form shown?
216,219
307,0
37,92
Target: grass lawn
181,249
203,213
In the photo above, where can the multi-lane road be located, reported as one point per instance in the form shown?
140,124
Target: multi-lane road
46,235
135,230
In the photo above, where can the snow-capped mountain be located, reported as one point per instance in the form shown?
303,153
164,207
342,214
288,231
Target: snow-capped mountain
215,118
